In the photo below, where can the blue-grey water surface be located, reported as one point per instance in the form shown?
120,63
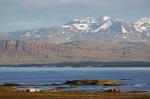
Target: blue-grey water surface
139,77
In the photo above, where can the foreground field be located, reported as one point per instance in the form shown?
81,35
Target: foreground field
10,93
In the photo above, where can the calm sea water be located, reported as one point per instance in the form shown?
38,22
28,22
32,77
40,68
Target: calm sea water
140,77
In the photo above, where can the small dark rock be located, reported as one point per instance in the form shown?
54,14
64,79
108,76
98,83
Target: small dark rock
125,79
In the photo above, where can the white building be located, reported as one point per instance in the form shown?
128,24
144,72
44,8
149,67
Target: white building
33,90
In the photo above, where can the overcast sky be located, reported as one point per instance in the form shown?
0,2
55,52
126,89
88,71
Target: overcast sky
28,14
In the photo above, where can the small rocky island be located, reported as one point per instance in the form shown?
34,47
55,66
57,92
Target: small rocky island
94,82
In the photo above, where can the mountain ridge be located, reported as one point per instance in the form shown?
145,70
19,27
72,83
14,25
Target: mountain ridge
104,28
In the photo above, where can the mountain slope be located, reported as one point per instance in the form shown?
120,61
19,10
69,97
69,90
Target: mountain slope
104,28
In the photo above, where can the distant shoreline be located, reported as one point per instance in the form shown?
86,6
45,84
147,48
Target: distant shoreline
84,64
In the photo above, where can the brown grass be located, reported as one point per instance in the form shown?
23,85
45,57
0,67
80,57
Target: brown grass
10,93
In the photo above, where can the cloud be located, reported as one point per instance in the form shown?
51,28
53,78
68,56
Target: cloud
37,3
45,3
138,1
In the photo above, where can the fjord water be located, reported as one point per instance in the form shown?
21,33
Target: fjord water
139,77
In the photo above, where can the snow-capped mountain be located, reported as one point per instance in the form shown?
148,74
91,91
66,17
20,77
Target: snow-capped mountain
144,24
104,28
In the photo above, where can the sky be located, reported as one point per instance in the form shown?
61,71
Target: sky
17,15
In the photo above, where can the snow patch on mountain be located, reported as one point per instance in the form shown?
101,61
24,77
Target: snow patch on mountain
144,24
145,20
76,20
27,34
106,25
66,26
124,30
81,26
105,18
138,29
148,34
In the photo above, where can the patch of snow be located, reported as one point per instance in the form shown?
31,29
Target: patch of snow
34,31
139,23
105,18
124,30
27,34
103,26
66,26
148,34
72,28
106,25
88,20
143,24
76,20
125,36
81,26
142,28
145,20
137,28
131,31
68,38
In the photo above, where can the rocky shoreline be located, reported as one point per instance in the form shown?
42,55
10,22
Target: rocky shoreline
104,86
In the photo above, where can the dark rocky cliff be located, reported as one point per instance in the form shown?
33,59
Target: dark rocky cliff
39,52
